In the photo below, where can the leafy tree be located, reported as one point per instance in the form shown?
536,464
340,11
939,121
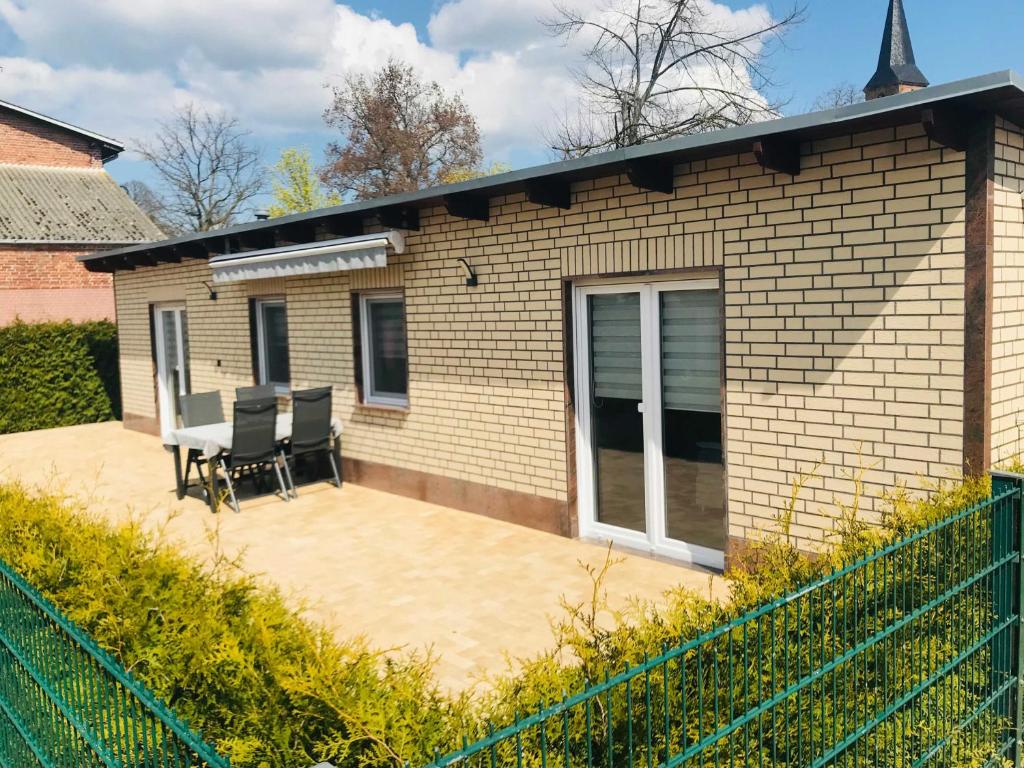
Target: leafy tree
653,69
295,185
466,174
209,169
399,132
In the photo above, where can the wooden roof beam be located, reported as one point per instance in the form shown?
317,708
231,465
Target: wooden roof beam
346,225
464,205
946,127
652,174
399,217
778,154
554,193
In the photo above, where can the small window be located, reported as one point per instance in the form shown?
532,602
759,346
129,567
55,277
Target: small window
272,343
385,360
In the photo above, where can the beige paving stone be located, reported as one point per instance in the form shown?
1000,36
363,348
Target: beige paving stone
403,573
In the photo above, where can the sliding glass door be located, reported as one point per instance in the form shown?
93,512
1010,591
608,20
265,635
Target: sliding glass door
649,424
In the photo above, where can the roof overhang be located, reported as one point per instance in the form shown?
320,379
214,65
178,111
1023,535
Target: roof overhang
343,254
649,167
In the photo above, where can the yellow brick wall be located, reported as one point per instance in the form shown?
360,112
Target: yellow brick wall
844,323
1008,295
844,326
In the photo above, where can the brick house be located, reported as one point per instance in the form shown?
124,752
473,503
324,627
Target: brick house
56,203
645,345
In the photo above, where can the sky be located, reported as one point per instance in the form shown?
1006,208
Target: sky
118,67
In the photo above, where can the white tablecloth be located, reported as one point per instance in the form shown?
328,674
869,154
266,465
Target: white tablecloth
211,439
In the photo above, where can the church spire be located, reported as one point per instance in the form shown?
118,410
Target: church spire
897,71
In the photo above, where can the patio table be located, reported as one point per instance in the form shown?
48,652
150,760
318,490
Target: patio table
213,439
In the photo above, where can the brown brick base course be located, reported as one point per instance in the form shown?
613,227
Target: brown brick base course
739,553
549,515
148,424
544,514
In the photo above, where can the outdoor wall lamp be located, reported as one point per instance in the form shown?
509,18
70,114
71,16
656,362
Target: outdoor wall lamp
471,279
213,293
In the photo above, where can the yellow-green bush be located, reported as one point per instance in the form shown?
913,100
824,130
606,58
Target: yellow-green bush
270,688
58,374
261,683
587,650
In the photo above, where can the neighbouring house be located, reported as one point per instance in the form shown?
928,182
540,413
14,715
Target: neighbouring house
56,203
646,345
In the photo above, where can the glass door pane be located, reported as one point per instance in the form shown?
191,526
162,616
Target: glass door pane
172,367
617,425
388,364
185,378
275,340
690,329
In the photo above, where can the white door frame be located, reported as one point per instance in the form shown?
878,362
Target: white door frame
167,411
655,539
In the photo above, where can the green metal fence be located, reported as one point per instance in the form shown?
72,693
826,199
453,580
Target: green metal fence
908,657
65,702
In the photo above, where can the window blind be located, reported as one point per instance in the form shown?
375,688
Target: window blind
615,346
691,351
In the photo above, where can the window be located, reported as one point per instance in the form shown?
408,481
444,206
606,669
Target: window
271,343
385,364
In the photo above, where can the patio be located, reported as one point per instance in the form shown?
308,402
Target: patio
401,572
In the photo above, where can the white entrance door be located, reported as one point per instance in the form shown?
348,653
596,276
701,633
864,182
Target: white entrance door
172,373
649,417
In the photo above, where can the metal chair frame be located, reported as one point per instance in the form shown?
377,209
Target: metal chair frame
199,409
311,428
243,459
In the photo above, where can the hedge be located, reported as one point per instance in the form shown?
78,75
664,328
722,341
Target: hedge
271,688
58,374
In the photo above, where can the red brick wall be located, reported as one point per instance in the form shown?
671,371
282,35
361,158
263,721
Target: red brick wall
30,266
26,141
38,305
44,283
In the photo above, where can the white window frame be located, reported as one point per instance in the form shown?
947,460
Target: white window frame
655,539
281,387
166,405
370,397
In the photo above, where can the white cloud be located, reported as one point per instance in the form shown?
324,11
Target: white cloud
120,66
235,34
491,25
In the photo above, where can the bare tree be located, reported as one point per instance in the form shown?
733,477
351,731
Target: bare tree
150,204
841,95
659,68
400,133
207,166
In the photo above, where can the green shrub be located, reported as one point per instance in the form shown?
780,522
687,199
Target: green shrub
58,374
587,650
270,688
262,684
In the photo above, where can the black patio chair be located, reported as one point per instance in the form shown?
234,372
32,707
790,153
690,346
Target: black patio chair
198,410
255,392
311,427
253,444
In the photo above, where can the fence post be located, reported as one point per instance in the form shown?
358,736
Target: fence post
1013,660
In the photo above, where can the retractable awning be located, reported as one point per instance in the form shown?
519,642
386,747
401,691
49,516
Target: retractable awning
360,252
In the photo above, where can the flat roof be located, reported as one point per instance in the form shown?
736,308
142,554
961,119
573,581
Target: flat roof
110,147
1000,92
